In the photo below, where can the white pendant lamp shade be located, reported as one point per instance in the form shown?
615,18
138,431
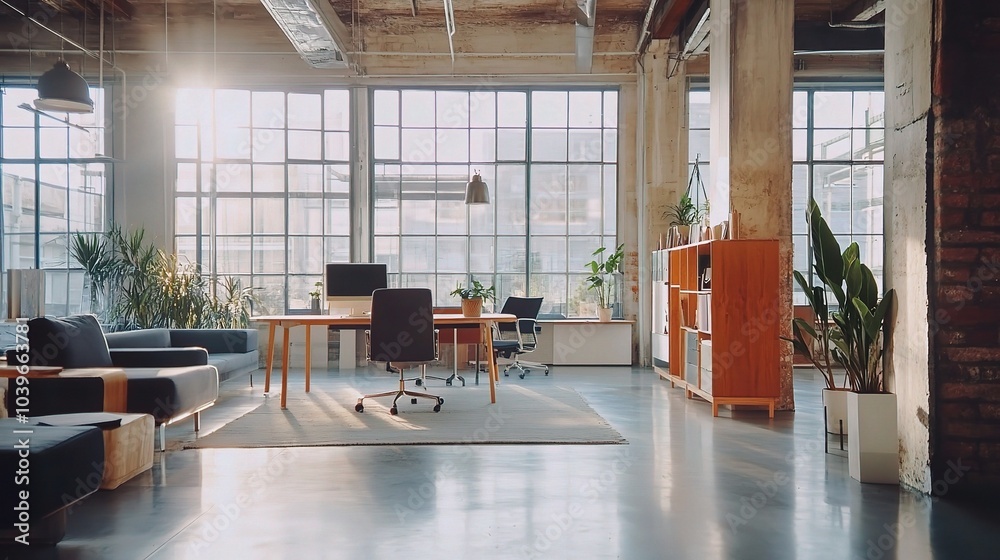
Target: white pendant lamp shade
477,192
63,90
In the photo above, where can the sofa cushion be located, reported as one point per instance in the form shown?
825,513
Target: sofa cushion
145,338
216,341
71,342
233,364
159,357
167,393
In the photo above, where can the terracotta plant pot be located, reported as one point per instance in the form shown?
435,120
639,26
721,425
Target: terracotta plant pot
472,307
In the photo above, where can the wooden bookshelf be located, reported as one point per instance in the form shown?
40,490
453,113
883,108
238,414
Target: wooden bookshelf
732,360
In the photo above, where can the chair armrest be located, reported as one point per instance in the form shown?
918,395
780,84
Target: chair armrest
158,357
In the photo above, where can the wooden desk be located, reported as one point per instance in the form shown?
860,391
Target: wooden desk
484,323
115,382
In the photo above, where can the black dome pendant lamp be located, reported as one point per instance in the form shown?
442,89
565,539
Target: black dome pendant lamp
63,90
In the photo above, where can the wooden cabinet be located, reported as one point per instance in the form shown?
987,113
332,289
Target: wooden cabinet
722,321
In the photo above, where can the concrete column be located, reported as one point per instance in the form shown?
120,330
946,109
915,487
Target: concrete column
751,136
664,118
908,102
143,187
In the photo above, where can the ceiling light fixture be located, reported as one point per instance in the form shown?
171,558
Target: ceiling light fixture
477,192
313,28
61,89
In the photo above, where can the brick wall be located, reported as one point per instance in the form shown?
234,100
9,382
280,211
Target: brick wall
965,275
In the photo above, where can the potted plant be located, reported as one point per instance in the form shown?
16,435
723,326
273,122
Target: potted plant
315,295
683,215
855,342
473,297
602,270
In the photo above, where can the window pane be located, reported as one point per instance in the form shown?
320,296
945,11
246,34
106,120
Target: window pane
548,254
233,217
585,145
418,108
337,109
510,144
511,109
833,109
548,199
548,145
233,177
452,109
305,216
452,254
417,254
386,107
268,255
832,192
549,108
268,109
269,216
303,144
304,111
585,109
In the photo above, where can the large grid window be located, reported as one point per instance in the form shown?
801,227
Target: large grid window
550,160
839,145
262,189
54,184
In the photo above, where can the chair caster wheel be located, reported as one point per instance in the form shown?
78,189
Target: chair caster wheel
394,411
546,371
359,407
413,401
420,382
448,383
440,401
521,376
437,408
505,374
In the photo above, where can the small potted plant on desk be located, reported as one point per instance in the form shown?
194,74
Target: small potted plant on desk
315,296
473,297
602,271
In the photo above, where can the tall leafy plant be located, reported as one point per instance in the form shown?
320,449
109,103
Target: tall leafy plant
859,322
148,288
602,270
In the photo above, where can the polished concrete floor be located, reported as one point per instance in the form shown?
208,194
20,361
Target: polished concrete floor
686,486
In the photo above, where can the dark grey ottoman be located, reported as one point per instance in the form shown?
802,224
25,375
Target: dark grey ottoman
64,465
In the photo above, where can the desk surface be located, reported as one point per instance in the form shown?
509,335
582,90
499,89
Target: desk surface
346,320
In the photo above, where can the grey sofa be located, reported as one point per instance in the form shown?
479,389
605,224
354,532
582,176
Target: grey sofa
233,352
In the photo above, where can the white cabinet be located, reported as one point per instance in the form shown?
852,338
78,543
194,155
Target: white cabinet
583,342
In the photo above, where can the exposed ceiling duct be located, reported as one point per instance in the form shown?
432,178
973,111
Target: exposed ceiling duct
313,28
585,11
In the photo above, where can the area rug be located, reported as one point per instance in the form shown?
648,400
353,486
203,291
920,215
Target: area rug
326,417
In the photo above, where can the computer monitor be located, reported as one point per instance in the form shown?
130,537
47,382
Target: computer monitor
349,286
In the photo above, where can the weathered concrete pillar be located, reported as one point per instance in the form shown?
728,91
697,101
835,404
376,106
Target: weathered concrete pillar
751,134
665,158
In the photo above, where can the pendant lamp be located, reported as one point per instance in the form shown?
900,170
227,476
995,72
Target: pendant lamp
477,192
63,90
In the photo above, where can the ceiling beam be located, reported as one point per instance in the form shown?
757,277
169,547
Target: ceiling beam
668,20
861,10
820,37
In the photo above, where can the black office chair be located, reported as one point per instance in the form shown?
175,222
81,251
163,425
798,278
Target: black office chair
402,335
513,339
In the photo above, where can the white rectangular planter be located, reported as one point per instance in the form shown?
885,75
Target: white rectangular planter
872,439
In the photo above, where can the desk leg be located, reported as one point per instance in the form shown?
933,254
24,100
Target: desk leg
270,357
284,368
308,355
491,362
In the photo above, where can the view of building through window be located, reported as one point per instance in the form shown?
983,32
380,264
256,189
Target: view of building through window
838,144
262,187
550,160
54,183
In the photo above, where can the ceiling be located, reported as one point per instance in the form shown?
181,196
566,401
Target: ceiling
380,30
